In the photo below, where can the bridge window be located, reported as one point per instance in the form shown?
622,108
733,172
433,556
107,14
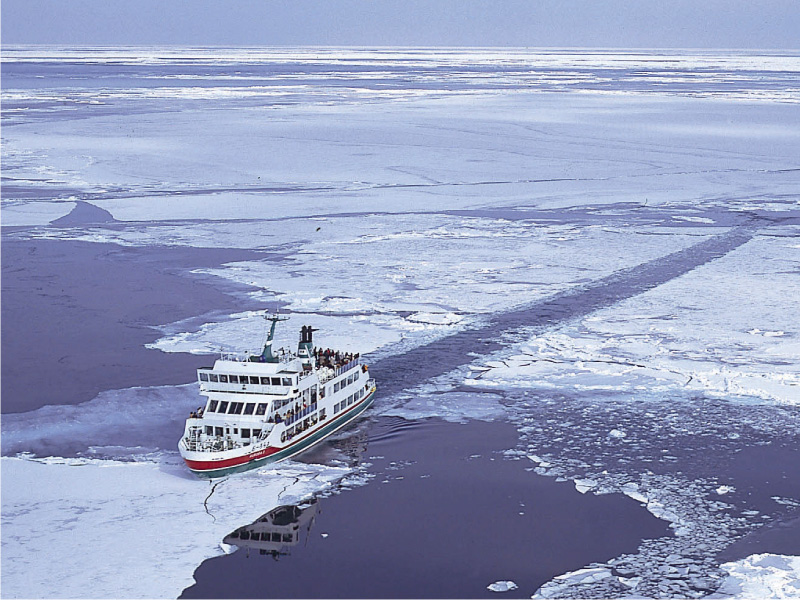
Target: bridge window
287,381
276,381
236,408
203,376
223,379
261,410
249,408
223,407
287,537
265,381
213,377
253,380
212,406
233,378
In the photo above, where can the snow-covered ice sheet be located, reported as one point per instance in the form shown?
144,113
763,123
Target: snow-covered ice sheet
119,424
26,214
141,528
761,576
406,277
727,328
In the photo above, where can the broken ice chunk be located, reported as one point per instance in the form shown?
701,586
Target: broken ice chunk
502,586
584,485
228,548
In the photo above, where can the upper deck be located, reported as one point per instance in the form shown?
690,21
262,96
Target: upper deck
280,378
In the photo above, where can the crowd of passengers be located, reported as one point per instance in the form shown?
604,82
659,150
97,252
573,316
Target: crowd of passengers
291,413
325,358
333,358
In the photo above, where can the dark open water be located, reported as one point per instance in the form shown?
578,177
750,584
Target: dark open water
445,515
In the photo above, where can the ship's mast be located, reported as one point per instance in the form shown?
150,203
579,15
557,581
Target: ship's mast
266,353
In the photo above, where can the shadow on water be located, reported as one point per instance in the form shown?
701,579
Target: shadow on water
420,364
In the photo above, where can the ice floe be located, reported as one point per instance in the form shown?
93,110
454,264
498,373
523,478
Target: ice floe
122,424
502,586
761,576
702,343
451,406
127,518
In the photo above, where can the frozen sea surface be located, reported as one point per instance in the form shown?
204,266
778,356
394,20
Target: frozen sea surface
599,248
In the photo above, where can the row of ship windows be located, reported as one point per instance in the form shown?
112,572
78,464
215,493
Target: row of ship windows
249,408
220,431
237,408
350,399
264,536
339,385
251,379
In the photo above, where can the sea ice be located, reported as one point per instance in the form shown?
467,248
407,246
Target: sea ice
127,518
395,207
452,406
120,424
761,576
502,586
704,343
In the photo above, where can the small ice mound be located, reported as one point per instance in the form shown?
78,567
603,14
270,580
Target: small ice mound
228,548
430,318
725,489
617,433
502,586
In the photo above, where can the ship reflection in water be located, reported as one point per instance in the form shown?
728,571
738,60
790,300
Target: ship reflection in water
275,532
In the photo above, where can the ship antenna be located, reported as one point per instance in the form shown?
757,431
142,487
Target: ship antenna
266,353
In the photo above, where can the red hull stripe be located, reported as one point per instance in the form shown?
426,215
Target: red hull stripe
205,465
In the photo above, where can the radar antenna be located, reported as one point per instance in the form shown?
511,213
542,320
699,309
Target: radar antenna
266,354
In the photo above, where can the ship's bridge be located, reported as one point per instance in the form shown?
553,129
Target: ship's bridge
248,377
